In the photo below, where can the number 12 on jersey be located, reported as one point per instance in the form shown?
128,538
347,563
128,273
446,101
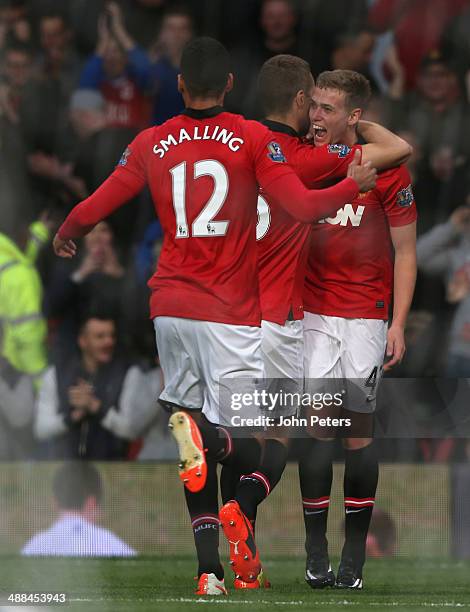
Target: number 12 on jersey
203,226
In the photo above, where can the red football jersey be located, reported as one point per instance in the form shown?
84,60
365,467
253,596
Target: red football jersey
126,105
203,168
350,265
283,242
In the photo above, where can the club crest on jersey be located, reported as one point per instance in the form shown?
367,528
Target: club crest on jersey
275,152
405,197
340,150
124,156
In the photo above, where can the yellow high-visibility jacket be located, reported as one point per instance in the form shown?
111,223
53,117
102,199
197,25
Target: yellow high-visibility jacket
22,325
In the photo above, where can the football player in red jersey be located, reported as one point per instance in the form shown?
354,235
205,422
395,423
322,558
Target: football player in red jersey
286,87
359,258
203,168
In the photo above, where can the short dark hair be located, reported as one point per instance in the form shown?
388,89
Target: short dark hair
74,482
354,85
100,311
279,80
205,66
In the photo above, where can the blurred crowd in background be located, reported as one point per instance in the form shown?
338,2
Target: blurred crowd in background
79,79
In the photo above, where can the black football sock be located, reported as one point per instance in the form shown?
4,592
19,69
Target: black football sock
360,484
203,509
229,479
245,455
217,440
316,476
257,485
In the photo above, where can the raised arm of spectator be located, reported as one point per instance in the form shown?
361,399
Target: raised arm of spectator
139,62
93,71
384,149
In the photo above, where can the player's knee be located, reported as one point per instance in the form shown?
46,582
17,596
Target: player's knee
356,443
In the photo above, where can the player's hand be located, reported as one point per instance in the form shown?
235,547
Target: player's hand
395,346
364,175
64,248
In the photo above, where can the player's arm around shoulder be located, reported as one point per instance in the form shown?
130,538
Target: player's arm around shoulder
384,149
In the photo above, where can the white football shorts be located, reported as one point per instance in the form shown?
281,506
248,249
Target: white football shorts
352,350
283,347
198,359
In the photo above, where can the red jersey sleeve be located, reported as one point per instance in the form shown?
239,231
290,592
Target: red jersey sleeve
317,165
397,197
132,165
127,180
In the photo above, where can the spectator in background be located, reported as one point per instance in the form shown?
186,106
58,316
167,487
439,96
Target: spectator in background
16,386
44,109
78,495
120,70
58,59
86,404
353,51
176,31
99,282
16,73
445,251
15,27
14,176
438,117
278,22
418,26
22,335
23,328
88,121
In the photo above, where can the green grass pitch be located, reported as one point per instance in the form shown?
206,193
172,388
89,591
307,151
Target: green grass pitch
166,584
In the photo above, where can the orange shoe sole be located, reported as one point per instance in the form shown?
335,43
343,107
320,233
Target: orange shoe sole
192,466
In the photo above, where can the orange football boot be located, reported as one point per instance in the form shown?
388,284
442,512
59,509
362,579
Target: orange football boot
192,466
244,556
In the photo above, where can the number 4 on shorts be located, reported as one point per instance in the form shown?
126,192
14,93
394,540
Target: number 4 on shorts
372,380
